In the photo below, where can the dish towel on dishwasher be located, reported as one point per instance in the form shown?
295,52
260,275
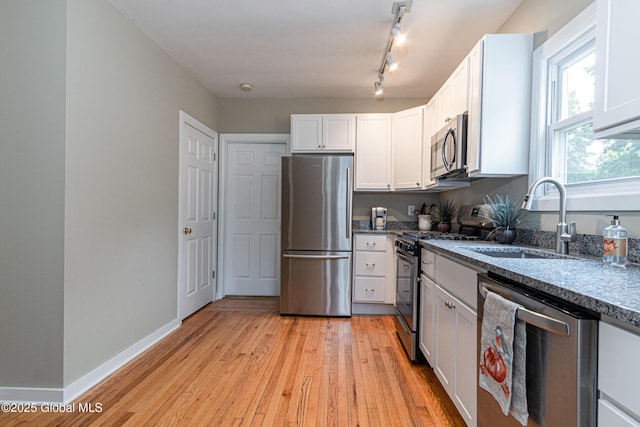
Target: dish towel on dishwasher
503,356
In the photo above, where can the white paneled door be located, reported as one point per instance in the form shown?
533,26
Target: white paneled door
252,226
197,216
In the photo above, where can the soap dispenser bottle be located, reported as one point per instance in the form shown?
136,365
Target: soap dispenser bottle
615,244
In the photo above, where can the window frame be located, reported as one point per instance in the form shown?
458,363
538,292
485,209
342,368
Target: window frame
621,194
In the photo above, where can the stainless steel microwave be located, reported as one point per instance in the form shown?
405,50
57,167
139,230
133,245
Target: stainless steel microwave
449,149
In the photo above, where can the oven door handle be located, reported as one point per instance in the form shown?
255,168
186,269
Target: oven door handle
405,258
531,317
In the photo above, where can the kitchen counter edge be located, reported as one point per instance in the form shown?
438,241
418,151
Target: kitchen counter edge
585,282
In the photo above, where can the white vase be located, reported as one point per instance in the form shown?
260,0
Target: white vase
424,222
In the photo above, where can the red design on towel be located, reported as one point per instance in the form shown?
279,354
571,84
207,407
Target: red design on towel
492,364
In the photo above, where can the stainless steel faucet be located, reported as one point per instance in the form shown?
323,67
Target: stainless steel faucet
564,233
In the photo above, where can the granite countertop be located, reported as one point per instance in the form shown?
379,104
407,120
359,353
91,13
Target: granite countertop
581,280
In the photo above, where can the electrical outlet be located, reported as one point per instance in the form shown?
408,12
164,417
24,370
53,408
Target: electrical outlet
410,210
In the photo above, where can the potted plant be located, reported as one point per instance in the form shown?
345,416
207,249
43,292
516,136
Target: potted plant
505,216
442,214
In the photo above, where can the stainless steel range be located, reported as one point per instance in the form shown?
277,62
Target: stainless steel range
470,227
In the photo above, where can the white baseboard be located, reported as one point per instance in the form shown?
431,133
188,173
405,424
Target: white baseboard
89,380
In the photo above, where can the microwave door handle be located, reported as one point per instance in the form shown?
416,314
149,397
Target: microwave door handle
447,166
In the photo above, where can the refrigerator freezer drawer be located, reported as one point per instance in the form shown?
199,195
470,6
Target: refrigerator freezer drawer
316,283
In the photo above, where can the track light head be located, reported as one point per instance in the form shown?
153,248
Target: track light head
398,36
378,89
392,65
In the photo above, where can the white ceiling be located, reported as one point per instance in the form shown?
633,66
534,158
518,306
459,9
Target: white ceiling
315,48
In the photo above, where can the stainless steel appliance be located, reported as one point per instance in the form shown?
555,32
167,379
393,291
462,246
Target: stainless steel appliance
378,218
561,359
471,226
316,235
449,149
407,307
407,294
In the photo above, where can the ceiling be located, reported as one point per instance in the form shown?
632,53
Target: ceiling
315,48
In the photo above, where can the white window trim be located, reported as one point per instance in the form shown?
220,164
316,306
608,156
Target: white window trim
615,195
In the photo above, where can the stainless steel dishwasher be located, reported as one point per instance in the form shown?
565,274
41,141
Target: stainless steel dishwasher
561,360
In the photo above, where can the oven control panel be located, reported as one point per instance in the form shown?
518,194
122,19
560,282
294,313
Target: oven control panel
410,247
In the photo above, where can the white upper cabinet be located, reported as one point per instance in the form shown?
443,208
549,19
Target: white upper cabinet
453,96
430,127
616,110
306,132
323,132
373,152
499,106
407,148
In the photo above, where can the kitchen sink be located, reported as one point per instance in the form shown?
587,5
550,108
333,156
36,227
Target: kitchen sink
517,253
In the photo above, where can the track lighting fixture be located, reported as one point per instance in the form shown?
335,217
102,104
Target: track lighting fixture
395,38
390,64
378,89
398,36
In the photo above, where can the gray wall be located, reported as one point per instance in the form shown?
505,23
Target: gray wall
244,115
543,17
32,111
121,236
396,204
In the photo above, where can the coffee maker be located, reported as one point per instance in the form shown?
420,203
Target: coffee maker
378,218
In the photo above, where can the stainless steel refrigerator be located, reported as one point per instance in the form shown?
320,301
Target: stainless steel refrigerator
316,235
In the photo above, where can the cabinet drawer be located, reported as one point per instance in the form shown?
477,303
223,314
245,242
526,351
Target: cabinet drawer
457,279
371,242
370,264
369,289
618,375
428,263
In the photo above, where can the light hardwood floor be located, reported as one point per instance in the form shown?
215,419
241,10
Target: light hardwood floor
238,362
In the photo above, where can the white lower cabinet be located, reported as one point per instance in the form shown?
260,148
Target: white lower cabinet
618,377
427,317
373,280
455,352
448,331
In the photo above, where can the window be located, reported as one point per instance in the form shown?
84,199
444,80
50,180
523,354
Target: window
595,172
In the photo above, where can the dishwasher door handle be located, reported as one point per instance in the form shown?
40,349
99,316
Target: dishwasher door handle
531,317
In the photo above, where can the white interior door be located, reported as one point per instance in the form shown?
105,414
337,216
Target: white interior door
197,216
252,217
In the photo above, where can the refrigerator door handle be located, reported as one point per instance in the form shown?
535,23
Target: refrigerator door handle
316,256
348,203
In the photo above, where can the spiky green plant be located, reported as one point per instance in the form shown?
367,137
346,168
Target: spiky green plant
444,211
502,212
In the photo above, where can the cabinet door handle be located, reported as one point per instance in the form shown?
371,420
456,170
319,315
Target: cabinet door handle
369,290
425,262
371,243
370,264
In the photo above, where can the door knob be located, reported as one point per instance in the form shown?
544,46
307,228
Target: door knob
187,230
